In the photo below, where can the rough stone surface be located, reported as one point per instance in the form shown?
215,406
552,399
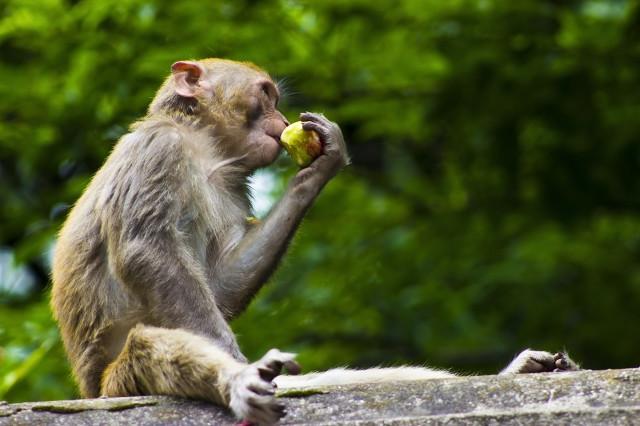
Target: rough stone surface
610,397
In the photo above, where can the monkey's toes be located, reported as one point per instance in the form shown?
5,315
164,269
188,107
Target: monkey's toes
253,399
529,361
272,364
564,363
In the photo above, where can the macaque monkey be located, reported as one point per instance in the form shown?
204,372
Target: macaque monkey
157,255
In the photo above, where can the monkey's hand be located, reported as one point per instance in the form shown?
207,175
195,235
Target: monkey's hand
529,361
334,153
252,392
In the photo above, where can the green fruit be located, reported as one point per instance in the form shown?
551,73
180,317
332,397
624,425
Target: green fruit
302,145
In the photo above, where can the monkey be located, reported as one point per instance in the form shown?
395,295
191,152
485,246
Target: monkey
157,257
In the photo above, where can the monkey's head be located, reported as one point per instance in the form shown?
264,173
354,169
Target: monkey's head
237,99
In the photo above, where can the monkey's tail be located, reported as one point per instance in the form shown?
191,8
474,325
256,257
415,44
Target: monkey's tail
345,376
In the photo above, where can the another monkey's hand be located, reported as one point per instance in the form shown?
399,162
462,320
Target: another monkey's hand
252,393
529,361
334,156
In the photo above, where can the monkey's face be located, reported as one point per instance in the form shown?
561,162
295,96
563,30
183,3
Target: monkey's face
240,100
244,110
264,124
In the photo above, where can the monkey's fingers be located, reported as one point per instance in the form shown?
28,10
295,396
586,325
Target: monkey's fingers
265,409
266,404
314,117
253,399
548,363
292,367
263,388
318,128
529,361
330,135
564,363
271,365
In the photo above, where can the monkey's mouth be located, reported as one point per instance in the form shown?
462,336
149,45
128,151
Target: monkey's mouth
275,138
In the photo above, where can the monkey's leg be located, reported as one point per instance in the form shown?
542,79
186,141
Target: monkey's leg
160,361
529,361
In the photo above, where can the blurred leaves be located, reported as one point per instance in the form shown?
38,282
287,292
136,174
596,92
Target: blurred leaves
32,362
493,203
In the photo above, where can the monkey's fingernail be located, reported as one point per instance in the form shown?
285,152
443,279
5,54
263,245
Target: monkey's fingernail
275,365
266,375
262,391
293,367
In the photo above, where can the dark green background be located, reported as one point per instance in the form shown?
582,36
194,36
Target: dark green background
493,202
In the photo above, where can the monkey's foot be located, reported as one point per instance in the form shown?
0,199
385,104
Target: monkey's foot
252,395
529,361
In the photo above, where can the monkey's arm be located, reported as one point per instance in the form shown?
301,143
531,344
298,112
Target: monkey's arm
147,251
243,271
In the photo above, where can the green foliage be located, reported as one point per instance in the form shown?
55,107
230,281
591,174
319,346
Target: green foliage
492,205
32,363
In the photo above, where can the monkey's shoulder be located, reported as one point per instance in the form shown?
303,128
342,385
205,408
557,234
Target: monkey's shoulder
154,140
163,144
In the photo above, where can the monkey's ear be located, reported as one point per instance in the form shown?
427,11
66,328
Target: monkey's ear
186,75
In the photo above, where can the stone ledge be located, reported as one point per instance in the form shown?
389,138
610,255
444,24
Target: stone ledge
610,397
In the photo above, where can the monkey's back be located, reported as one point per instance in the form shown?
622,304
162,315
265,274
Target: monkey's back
87,299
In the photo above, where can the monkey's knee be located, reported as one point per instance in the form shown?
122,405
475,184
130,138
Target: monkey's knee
146,364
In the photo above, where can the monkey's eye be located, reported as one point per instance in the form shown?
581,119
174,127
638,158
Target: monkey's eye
254,112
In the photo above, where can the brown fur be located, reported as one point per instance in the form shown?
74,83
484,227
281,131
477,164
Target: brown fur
167,202
157,255
200,365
